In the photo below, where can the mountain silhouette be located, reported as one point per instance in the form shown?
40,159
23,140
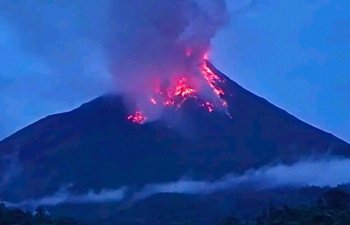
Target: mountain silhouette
95,147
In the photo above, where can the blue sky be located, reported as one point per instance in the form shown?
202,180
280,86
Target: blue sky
293,53
296,54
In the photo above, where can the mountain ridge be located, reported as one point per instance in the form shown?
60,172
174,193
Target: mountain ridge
95,147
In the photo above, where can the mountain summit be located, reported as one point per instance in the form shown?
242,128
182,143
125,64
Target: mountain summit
96,147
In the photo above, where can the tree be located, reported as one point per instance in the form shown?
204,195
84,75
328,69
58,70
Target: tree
335,199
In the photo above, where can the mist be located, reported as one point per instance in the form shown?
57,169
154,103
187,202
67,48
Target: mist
64,196
326,172
323,173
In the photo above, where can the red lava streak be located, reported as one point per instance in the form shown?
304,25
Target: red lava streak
212,79
183,88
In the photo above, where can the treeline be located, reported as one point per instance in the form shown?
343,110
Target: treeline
332,208
13,216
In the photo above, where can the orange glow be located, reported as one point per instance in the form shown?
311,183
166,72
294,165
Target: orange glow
138,117
177,93
212,79
183,89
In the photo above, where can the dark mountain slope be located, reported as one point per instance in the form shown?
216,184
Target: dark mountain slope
95,147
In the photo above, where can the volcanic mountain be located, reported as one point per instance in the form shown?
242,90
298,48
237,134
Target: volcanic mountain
96,147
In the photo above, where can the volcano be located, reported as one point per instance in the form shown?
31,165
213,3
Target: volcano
101,146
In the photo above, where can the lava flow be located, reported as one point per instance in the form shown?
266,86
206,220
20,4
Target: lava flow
183,88
213,80
176,96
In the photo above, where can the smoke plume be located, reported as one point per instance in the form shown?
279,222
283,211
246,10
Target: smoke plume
87,48
155,41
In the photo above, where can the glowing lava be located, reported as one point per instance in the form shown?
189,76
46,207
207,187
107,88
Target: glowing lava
182,88
137,117
176,96
209,106
212,79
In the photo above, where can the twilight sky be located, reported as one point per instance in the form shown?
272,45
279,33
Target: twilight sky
293,53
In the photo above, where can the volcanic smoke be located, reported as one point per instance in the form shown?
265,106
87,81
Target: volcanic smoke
182,89
160,55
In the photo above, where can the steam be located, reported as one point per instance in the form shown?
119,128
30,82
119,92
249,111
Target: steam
322,173
64,196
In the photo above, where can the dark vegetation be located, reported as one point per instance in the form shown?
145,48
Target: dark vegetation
332,208
13,216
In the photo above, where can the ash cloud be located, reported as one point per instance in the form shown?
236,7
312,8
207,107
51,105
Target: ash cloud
150,40
60,53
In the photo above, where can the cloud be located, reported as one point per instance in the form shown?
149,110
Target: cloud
64,196
324,172
327,172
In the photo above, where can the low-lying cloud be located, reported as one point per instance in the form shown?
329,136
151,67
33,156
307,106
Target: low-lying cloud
323,173
64,196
